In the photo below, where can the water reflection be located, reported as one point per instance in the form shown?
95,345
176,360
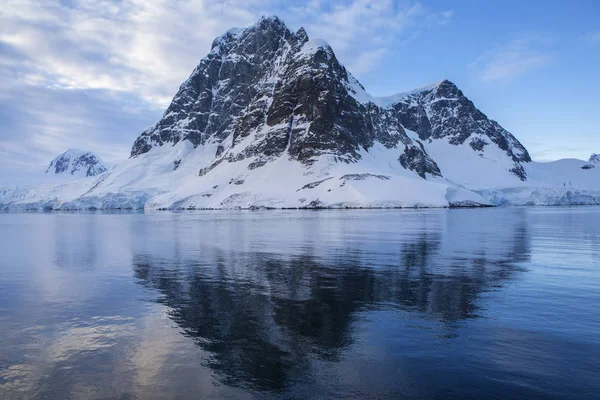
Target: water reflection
265,307
422,304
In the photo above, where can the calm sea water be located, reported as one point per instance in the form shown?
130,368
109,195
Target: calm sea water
419,304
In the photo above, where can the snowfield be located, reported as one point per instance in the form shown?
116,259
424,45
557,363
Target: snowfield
167,177
556,183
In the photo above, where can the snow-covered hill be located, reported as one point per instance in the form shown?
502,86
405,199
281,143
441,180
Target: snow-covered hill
562,182
270,118
67,176
76,164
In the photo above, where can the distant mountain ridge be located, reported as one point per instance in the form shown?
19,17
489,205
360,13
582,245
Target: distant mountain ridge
78,163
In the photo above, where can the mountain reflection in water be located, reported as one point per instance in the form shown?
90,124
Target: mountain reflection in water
416,304
263,303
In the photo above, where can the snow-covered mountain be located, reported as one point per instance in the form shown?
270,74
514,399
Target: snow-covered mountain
593,162
75,163
265,91
270,118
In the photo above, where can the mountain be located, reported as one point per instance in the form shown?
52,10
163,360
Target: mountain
265,91
271,118
76,163
593,161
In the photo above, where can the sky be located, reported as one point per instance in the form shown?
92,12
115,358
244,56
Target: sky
94,74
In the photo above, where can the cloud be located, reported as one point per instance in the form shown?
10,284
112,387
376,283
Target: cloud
38,123
362,32
148,47
366,60
513,59
145,47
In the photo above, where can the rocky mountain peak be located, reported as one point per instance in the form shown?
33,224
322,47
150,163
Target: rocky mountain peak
270,22
266,32
241,69
447,89
302,35
442,111
77,163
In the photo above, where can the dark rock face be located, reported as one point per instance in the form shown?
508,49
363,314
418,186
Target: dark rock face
416,159
444,112
593,161
265,91
76,162
313,185
362,177
478,144
222,96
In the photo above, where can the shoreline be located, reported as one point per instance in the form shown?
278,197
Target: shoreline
181,210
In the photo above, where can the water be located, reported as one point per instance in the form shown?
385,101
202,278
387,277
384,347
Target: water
423,304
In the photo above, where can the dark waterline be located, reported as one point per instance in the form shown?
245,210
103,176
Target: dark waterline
423,304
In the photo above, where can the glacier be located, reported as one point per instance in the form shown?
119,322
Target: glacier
152,182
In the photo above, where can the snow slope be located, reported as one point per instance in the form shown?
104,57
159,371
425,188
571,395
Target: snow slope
153,181
562,182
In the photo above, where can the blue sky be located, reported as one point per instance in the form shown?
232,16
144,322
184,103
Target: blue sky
94,74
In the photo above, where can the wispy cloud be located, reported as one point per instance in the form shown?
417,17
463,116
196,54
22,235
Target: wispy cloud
148,47
363,31
366,60
513,59
134,46
38,123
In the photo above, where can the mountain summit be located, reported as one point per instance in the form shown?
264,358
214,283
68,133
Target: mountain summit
76,163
